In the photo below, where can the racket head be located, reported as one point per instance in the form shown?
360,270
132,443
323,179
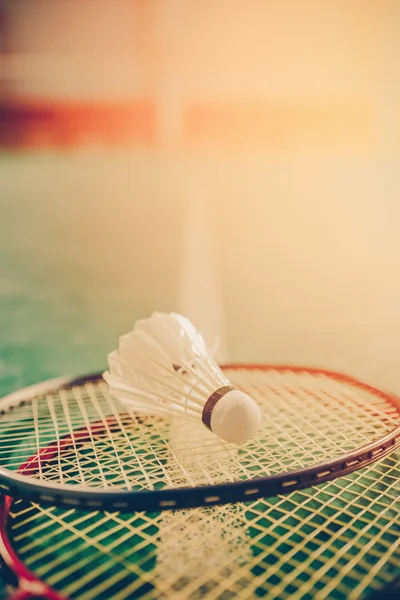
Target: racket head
69,442
336,541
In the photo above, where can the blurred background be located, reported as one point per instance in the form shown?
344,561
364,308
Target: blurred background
235,161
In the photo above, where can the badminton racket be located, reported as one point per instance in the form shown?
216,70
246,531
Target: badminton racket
70,443
336,541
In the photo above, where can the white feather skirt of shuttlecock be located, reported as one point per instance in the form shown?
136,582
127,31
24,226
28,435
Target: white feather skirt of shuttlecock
163,367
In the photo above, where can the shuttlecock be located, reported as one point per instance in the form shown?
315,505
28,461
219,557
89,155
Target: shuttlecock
163,367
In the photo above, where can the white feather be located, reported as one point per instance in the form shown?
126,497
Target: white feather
163,367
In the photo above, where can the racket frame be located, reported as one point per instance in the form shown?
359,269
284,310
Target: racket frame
15,484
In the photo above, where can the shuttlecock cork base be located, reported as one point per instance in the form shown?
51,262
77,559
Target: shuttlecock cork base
232,415
163,367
